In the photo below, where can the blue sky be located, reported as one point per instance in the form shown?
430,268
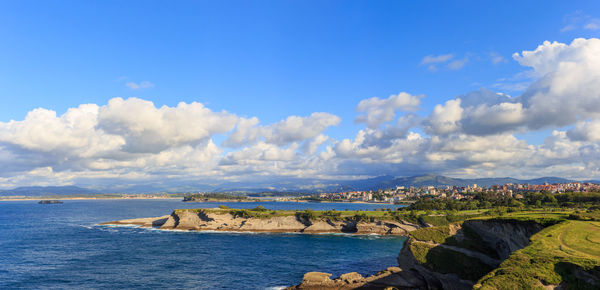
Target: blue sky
275,59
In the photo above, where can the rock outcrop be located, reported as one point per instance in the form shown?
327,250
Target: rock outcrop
215,220
504,236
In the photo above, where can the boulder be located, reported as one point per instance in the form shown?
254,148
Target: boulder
317,279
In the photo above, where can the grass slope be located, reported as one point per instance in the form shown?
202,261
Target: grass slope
558,254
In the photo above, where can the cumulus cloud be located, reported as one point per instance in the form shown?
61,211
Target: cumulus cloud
445,119
130,133
585,131
566,90
247,131
294,128
291,129
146,128
376,111
73,133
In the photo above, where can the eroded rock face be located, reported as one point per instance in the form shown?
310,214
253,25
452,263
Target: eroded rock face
189,221
323,227
423,278
275,224
504,236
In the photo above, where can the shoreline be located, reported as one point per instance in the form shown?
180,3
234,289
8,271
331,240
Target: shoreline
249,232
179,198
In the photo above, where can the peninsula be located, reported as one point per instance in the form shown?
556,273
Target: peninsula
260,219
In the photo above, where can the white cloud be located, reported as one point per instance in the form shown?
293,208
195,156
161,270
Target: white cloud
146,128
436,58
445,119
377,111
295,129
447,60
431,61
292,129
247,131
585,131
138,86
73,133
579,21
566,90
593,25
496,58
458,64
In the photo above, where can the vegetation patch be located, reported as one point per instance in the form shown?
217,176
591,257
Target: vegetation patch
435,234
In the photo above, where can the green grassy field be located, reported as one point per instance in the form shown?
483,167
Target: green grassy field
564,253
558,254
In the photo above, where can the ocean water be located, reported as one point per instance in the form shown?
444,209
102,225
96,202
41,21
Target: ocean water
61,246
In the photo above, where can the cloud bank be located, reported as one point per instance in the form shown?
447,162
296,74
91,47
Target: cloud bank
475,135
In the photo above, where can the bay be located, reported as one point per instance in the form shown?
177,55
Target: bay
60,246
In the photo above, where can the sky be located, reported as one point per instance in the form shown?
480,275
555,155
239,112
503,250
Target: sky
130,92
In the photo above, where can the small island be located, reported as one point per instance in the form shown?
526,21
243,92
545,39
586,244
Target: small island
50,202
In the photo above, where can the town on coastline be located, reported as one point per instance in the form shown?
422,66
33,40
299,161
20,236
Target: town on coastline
402,194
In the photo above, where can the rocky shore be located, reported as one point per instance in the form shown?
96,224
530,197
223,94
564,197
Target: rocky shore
469,250
226,220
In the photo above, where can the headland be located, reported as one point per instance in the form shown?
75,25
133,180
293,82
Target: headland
260,219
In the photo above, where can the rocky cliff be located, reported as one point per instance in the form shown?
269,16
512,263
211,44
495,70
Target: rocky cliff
450,257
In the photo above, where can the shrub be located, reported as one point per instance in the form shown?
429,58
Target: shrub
259,208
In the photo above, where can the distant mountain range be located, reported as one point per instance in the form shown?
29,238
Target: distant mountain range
47,190
300,186
438,180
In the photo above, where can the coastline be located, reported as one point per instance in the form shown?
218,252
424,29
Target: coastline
84,198
179,198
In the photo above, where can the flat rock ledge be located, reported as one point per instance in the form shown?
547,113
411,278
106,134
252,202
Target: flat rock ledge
353,280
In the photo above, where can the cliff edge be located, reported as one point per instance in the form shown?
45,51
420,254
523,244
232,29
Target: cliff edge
446,257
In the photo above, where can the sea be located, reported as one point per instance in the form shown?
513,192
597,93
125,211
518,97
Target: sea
61,246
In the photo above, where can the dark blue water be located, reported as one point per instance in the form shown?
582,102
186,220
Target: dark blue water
60,246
